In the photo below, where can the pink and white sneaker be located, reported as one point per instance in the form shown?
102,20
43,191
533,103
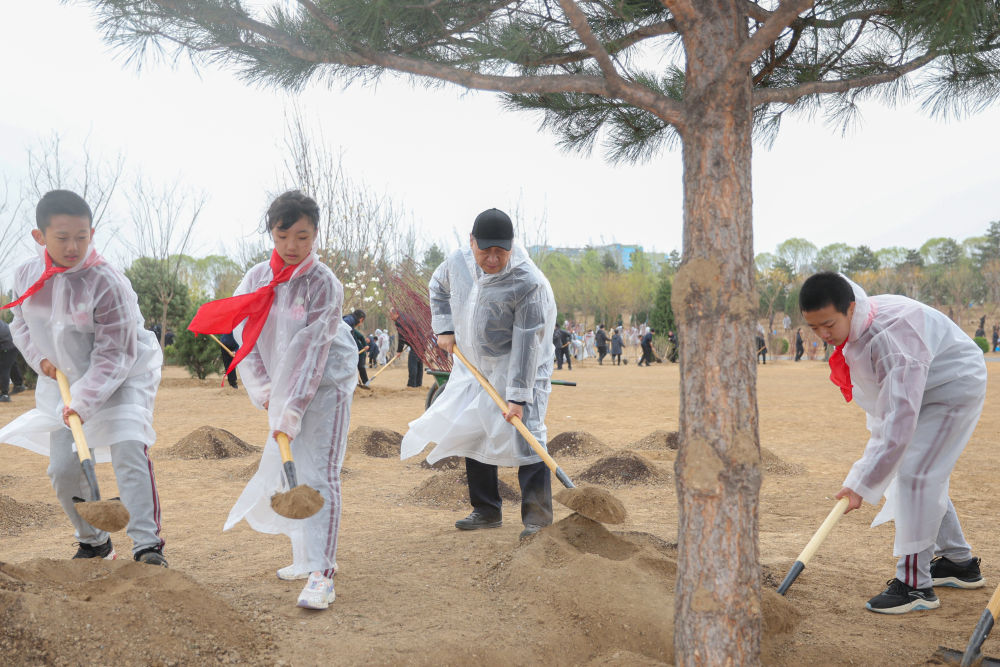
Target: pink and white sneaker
318,592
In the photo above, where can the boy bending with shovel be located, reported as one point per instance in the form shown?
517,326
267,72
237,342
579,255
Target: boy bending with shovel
77,315
922,381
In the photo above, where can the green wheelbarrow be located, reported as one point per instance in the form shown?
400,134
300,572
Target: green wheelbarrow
441,379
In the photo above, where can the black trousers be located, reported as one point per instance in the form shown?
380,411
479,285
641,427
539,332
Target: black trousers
602,351
616,359
647,354
8,359
362,371
415,370
536,491
226,360
563,353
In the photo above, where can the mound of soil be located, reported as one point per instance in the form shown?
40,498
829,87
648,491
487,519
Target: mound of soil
575,443
450,488
15,516
623,469
775,466
447,463
380,443
659,439
625,612
209,442
119,612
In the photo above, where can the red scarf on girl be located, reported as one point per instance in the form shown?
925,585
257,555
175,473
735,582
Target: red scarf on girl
50,270
223,315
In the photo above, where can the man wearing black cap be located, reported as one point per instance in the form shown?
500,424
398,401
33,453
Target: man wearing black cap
497,307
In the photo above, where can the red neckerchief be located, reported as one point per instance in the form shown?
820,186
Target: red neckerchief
840,372
223,315
50,270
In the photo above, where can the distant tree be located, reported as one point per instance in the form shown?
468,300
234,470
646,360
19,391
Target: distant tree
891,257
989,248
913,258
799,254
673,261
198,354
941,250
661,318
863,259
163,297
433,258
833,257
609,262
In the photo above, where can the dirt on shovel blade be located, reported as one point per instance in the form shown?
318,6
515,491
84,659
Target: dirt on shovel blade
594,503
299,503
108,515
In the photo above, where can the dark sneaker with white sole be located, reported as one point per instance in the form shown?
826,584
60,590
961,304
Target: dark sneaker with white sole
899,598
105,551
151,556
946,572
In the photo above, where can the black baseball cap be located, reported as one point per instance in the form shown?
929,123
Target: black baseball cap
493,228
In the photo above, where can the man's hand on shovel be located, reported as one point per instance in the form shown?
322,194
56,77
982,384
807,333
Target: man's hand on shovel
853,499
67,413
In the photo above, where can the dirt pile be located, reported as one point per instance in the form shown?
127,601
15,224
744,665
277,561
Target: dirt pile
594,503
623,469
447,463
16,516
76,612
626,609
776,466
380,443
209,442
575,443
659,439
450,489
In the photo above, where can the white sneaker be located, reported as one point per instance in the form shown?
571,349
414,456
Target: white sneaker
289,573
318,592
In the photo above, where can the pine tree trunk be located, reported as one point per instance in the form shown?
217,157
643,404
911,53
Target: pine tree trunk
718,606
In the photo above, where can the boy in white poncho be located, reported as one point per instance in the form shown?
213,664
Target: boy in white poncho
300,365
922,381
78,314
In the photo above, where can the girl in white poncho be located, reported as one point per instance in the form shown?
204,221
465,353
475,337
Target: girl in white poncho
922,381
300,366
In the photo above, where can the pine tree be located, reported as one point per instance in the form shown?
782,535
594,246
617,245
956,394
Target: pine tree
637,76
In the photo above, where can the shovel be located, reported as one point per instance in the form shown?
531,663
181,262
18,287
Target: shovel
300,501
107,515
972,655
516,421
817,539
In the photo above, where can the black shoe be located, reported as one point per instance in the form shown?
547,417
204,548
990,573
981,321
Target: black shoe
530,529
17,389
946,572
476,520
4,398
899,598
151,556
105,551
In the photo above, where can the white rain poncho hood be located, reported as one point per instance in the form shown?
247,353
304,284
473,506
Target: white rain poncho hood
922,381
503,324
304,367
86,322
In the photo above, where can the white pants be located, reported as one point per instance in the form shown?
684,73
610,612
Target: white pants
136,485
915,569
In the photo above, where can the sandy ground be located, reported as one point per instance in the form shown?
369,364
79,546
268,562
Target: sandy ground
413,590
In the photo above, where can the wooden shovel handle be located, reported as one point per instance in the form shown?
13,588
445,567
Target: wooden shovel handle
285,446
502,404
223,345
75,423
387,364
817,539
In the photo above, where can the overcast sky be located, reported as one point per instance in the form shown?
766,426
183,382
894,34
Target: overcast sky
445,154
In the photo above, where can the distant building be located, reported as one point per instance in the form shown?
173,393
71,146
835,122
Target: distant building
621,253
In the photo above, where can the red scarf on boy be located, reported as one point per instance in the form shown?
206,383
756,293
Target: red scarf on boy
840,372
50,270
223,315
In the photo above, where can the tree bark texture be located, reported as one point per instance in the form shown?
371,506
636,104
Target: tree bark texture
718,604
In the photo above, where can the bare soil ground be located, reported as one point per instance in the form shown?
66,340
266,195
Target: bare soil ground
413,590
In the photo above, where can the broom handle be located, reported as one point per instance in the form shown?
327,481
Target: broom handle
516,421
387,364
231,353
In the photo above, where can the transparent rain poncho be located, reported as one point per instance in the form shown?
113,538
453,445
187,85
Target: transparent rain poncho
304,367
922,381
503,324
86,322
